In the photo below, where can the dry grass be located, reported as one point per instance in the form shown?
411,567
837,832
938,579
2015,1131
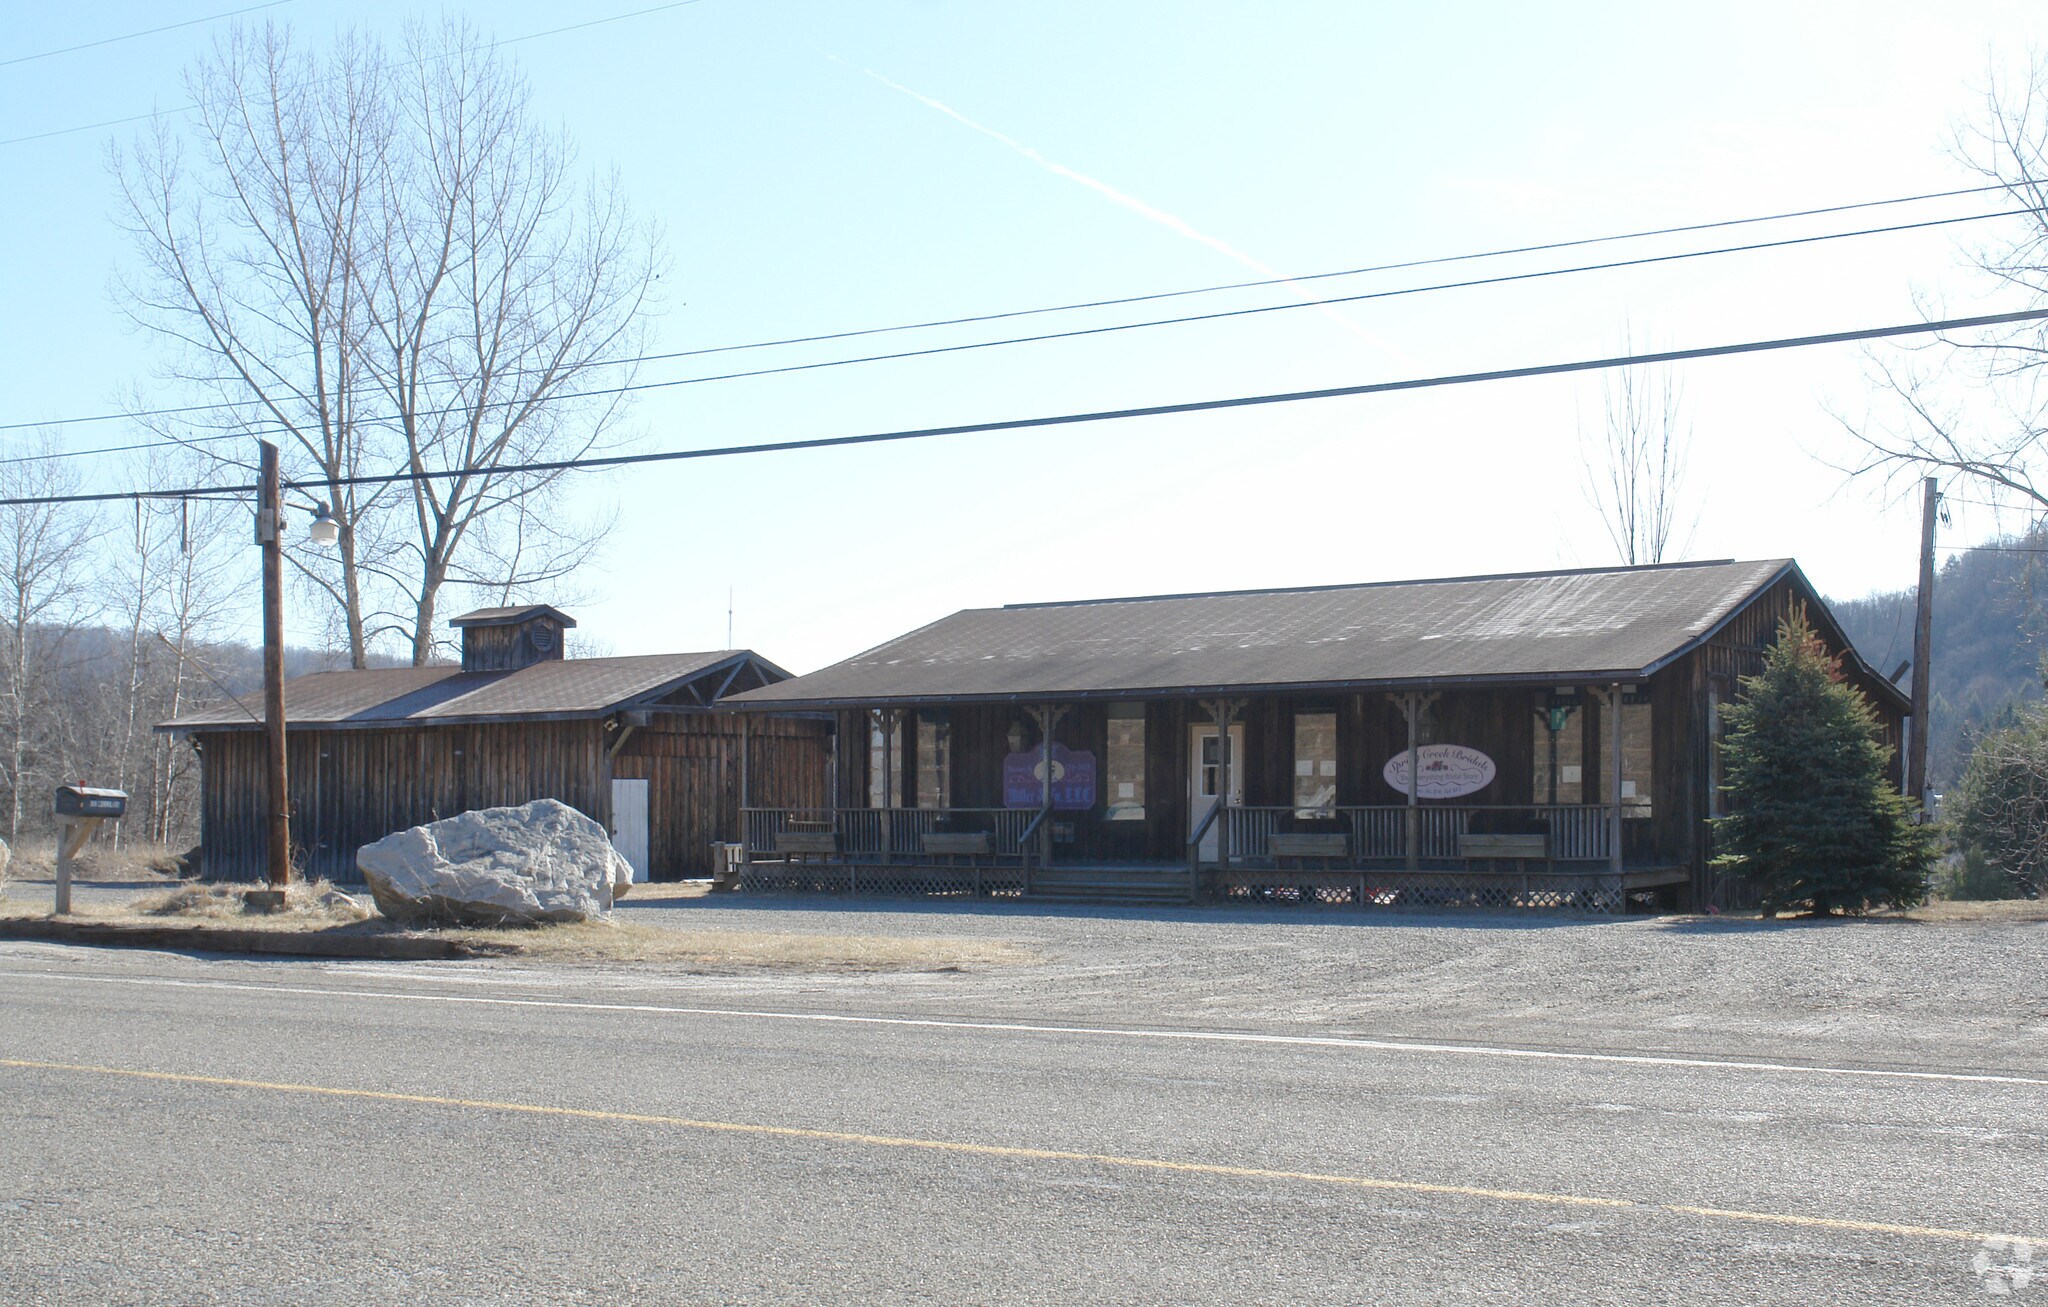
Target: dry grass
317,907
740,950
37,860
1951,911
308,905
1940,912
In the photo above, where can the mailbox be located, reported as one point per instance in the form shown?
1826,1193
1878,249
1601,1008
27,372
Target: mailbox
84,801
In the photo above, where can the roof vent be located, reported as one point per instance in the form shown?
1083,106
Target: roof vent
507,639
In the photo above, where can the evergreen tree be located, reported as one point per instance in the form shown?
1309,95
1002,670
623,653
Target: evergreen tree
1815,821
2001,808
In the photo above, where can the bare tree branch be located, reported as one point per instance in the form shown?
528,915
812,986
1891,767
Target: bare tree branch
392,260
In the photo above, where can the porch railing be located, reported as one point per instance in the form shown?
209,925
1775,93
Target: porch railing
1574,832
1377,833
883,834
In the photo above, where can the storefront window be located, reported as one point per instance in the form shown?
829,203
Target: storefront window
934,762
1560,750
1125,770
885,764
1315,764
1635,760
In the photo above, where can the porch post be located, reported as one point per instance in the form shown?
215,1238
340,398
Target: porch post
1614,785
746,735
885,720
746,796
1045,725
889,777
1048,718
1412,702
1225,712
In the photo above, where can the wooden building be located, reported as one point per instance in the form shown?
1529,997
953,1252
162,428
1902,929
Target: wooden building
634,742
1258,744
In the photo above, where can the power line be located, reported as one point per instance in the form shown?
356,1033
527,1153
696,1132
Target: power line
1144,324
491,45
1995,549
2025,505
972,319
1075,419
1323,276
130,36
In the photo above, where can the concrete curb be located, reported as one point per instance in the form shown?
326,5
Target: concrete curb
277,943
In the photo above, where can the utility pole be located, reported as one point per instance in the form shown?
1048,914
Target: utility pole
269,529
1923,649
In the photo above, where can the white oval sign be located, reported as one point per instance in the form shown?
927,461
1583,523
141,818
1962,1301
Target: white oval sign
1448,770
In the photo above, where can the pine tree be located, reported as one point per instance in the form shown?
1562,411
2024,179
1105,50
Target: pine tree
1815,821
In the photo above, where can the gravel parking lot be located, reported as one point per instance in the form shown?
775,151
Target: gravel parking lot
1882,991
1968,994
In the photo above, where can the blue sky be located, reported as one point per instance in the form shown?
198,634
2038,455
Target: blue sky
1121,149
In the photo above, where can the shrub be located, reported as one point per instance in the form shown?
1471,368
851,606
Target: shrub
2000,811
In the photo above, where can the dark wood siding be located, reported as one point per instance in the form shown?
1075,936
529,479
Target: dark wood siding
692,766
352,787
508,646
349,788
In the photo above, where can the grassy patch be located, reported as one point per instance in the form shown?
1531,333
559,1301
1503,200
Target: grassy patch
1940,912
308,905
317,907
1973,911
736,950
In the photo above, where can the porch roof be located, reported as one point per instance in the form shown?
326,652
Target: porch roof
1569,626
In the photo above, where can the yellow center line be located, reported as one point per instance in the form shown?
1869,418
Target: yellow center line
1033,1154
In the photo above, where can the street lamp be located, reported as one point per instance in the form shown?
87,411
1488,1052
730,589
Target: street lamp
324,530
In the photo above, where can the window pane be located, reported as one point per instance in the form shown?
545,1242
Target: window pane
1570,740
1635,759
1315,764
885,766
934,763
1125,766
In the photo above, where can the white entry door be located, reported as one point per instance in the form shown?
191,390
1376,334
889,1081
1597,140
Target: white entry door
629,824
1204,769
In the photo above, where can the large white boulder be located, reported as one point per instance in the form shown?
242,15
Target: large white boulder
543,862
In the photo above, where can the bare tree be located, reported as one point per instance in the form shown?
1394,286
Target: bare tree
1972,404
45,579
249,241
170,595
390,259
1635,468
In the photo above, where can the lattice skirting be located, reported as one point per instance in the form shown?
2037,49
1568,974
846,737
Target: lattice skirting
1572,891
885,881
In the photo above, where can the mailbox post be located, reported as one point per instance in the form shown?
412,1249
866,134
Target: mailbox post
80,810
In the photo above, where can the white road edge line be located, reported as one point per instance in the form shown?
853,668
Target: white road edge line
1108,1032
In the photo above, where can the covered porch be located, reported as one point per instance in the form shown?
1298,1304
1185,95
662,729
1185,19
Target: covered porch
1544,800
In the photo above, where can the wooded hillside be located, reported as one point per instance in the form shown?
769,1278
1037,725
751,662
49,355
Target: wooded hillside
1990,616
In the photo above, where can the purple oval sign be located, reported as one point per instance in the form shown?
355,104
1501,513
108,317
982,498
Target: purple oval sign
1448,770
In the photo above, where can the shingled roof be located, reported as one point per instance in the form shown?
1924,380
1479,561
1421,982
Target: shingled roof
1533,627
547,691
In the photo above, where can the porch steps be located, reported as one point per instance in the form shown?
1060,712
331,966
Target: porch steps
1109,884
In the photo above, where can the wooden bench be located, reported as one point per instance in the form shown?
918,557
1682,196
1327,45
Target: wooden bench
801,845
1299,848
952,845
1503,848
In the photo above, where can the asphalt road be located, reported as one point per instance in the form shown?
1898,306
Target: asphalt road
178,1130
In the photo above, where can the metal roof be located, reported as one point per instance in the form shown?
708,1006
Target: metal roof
400,696
1530,627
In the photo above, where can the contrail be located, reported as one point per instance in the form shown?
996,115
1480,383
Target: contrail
1167,220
